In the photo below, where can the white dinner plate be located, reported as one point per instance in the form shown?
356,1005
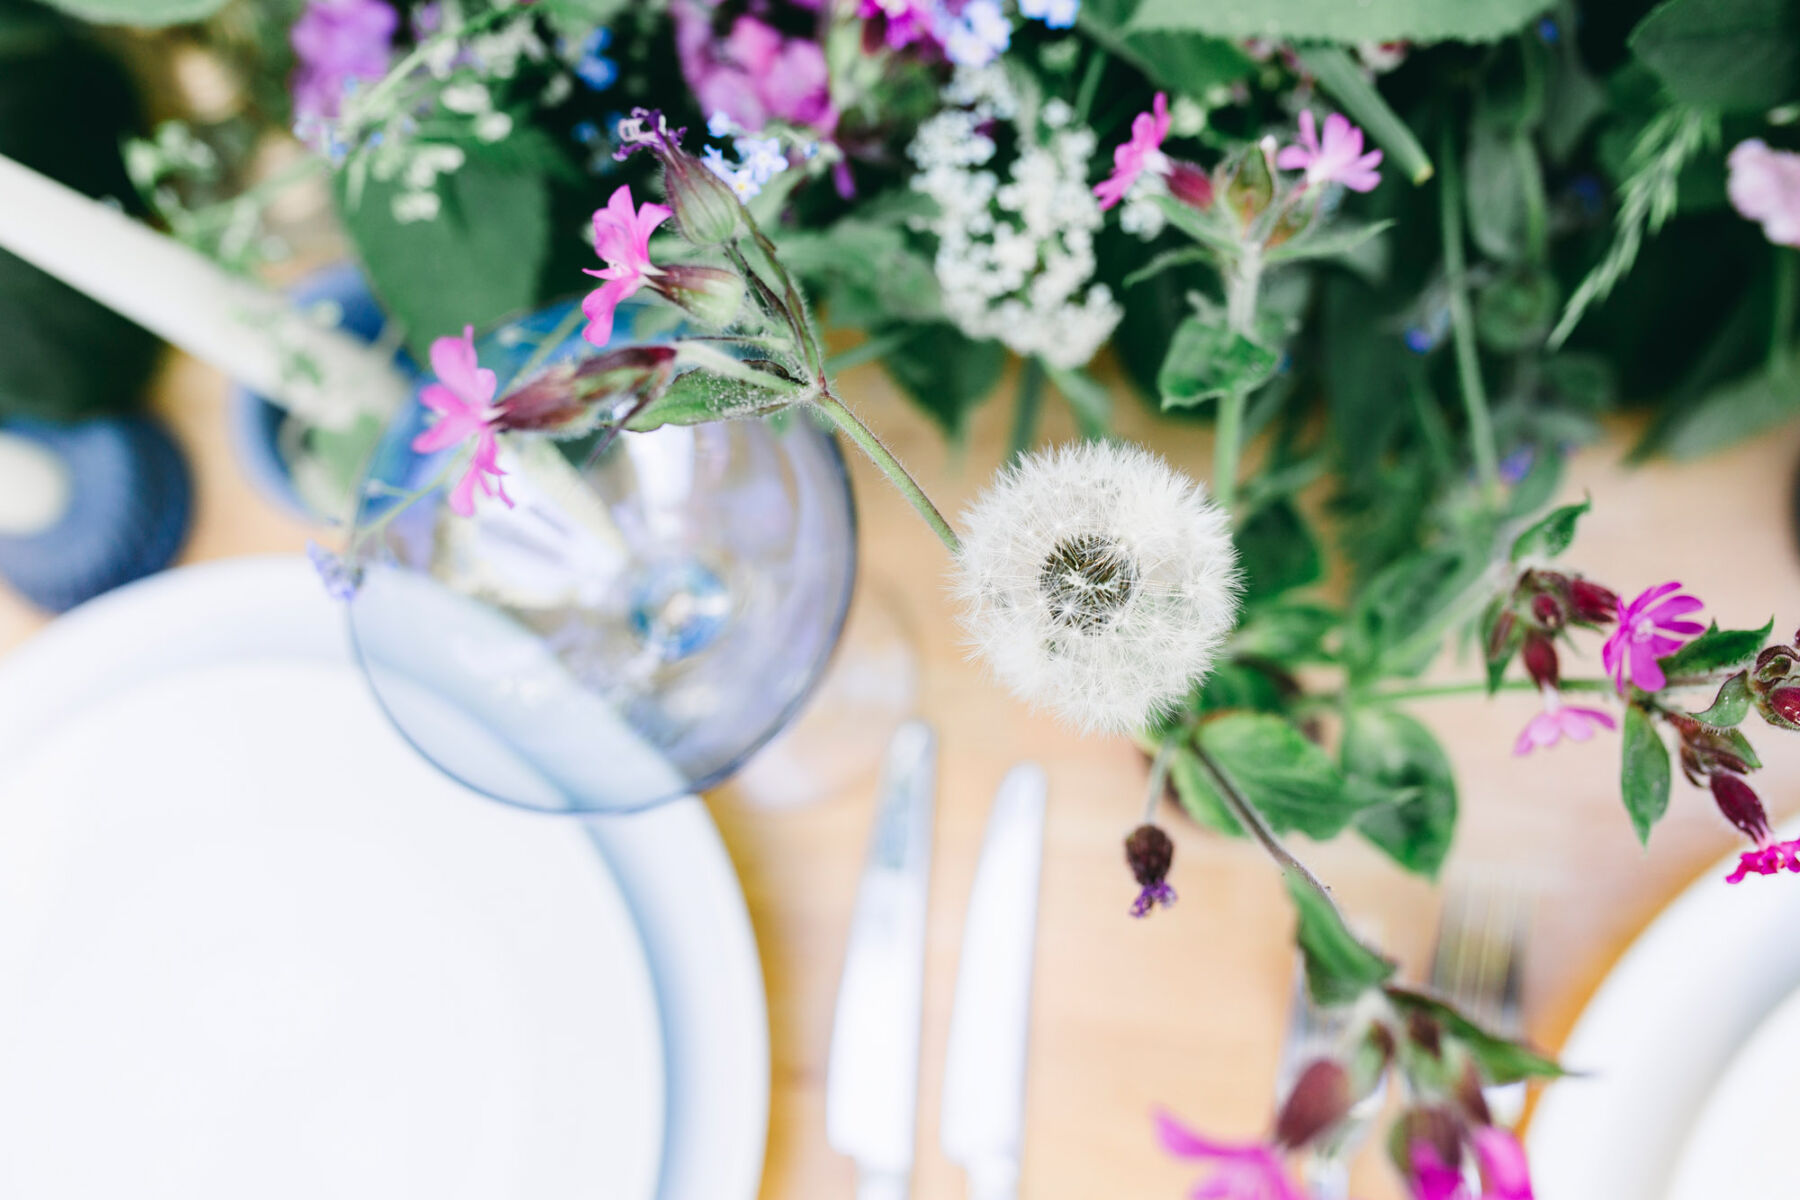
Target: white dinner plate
1741,1139
130,656
1658,1035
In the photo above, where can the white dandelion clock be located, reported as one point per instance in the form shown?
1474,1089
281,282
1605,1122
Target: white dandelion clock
1098,583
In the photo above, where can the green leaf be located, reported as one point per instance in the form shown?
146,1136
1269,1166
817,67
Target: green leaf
1500,1059
1729,55
1340,20
1289,779
1087,398
1332,243
946,373
1515,310
478,262
1734,411
1551,536
1402,615
1497,195
143,13
1199,798
1347,81
1168,260
1716,650
1277,551
1207,361
696,397
1339,967
1416,820
865,273
1286,632
1210,228
1730,706
1644,772
1190,64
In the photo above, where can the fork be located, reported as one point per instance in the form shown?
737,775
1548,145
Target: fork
1312,1033
1477,966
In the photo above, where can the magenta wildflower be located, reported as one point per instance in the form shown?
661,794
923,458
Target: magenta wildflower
1771,858
1504,1173
1248,1172
622,239
1338,158
336,42
1559,721
1649,628
1139,153
1740,805
463,399
899,23
1765,187
755,74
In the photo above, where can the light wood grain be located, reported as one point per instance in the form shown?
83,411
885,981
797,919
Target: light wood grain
1186,1009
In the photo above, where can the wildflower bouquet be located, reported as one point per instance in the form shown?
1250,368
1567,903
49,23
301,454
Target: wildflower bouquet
1411,250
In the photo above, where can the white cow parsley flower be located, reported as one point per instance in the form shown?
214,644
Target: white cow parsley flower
1098,583
1015,255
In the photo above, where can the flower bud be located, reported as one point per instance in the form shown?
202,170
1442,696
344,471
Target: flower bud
1149,853
711,295
1594,605
1190,185
1548,610
568,399
1319,1099
707,212
1539,657
1499,640
1785,701
1741,806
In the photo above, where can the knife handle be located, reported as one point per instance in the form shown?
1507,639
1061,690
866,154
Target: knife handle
882,1185
997,1180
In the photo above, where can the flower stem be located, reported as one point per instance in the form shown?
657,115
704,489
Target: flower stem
1253,822
840,415
1025,411
1159,779
1787,294
1462,323
1228,436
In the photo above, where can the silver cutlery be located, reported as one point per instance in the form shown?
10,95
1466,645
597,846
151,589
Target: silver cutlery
1312,1033
872,1078
984,1072
1477,967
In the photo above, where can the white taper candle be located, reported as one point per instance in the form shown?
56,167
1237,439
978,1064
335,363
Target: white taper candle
247,331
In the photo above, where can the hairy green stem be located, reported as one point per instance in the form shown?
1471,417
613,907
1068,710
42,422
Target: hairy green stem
1159,778
1025,411
840,415
1227,443
1787,294
1253,823
1462,322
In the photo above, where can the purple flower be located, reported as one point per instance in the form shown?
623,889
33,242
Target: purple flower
899,23
1141,152
1339,158
977,35
1649,627
1557,722
1765,187
1250,1172
338,42
339,580
755,74
1504,1173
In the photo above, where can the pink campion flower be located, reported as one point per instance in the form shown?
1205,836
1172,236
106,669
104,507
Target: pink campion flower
1339,158
755,74
622,239
1252,1172
1771,858
463,399
1432,1178
335,42
1559,721
1139,153
1504,1173
1740,805
899,23
1764,186
1649,627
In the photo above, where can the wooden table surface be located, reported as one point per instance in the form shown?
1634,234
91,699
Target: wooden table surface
1186,1009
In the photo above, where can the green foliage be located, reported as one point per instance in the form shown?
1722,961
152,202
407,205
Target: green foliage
143,13
1402,615
1277,552
1551,536
865,273
1337,21
1501,1060
1188,63
946,373
1733,411
1286,631
1337,241
1716,650
476,263
1730,706
1206,361
1198,797
1339,966
1415,818
1289,779
1345,80
1727,55
1643,771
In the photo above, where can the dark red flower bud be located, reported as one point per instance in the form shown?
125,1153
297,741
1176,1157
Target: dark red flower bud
1741,806
1190,185
1319,1099
1501,634
1786,702
1425,1033
1468,1094
569,399
1150,854
1438,1128
1548,610
1594,605
1540,660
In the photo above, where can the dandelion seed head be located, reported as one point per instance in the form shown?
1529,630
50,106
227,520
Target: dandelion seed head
1097,583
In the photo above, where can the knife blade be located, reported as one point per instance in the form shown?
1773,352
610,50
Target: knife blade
872,1077
984,1075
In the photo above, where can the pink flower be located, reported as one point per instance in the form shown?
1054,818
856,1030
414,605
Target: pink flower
1141,152
1252,1172
463,399
1771,858
1559,721
1649,628
756,74
900,23
1504,1173
335,42
1765,186
1339,159
622,239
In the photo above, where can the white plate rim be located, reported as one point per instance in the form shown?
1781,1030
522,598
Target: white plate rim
670,863
1659,1032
